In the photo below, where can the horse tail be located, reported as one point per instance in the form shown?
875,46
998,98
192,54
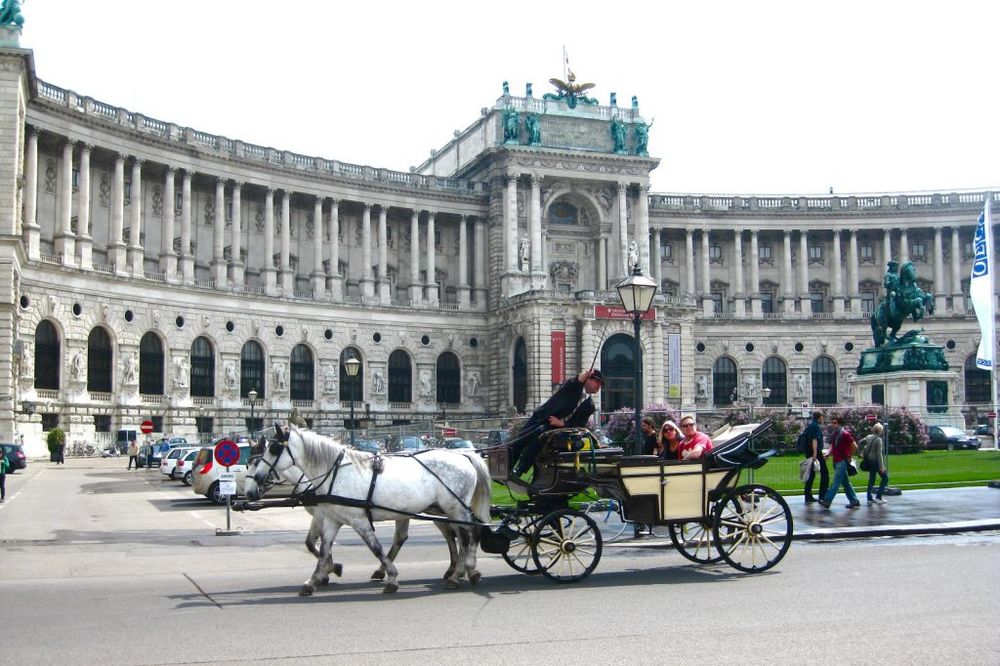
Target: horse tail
482,496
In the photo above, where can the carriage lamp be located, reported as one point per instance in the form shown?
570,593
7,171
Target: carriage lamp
636,293
352,365
252,399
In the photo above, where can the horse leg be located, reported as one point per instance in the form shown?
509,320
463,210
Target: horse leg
314,535
398,539
472,535
367,534
449,538
329,529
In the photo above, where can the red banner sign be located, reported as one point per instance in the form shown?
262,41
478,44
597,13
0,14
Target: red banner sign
618,312
558,357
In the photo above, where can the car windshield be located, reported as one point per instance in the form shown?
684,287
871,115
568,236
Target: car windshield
952,432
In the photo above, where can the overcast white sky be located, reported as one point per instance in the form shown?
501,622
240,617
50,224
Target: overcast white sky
748,97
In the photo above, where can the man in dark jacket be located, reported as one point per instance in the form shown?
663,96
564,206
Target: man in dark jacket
814,449
564,409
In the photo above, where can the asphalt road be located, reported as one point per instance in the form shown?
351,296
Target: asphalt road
101,566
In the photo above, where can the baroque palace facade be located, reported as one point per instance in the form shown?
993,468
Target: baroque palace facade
154,271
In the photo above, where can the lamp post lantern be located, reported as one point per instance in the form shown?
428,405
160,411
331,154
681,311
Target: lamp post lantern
252,398
636,293
353,365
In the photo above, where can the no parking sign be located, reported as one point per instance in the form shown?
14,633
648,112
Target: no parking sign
227,453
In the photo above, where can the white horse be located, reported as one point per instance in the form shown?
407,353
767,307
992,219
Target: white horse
456,486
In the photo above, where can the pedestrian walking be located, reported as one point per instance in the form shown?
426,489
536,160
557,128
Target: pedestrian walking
4,466
814,450
873,460
842,449
133,454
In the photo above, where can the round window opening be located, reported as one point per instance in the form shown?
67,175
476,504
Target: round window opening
77,309
180,322
328,334
950,344
377,337
748,346
230,326
279,330
425,340
473,342
700,347
129,315
799,346
848,346
25,302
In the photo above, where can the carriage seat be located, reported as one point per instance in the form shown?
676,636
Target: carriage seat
609,454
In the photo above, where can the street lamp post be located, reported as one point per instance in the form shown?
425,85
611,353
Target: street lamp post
252,397
636,293
353,365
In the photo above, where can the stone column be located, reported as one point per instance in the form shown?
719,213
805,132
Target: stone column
236,246
509,226
940,295
116,248
691,288
168,258
655,259
602,263
336,279
622,231
416,288
904,247
287,277
267,270
787,280
464,297
886,249
756,310
136,250
740,301
838,277
367,278
220,268
957,296
84,241
535,226
479,262
432,286
641,224
385,286
707,306
187,259
65,240
319,275
852,275
805,304
29,228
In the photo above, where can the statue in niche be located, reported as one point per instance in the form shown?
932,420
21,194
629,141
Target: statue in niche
232,382
130,370
78,367
750,386
27,360
180,375
378,382
702,387
280,379
523,254
426,390
632,258
800,386
329,380
473,383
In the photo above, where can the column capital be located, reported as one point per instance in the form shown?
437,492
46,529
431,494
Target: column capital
84,145
189,174
137,162
237,184
334,202
32,132
535,179
171,170
621,186
754,233
432,214
512,176
836,233
368,205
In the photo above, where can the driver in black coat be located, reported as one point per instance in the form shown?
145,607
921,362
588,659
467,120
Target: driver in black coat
564,409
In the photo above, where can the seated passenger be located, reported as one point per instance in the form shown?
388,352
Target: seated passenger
695,444
651,444
670,439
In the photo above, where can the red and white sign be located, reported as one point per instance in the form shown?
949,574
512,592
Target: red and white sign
146,427
618,312
227,453
991,415
448,432
558,357
870,418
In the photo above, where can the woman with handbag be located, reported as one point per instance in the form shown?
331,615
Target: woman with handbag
873,462
841,452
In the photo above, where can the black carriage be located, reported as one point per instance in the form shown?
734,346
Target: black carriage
710,516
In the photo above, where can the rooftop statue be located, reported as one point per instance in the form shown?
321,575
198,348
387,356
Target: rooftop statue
642,138
618,134
511,125
570,91
903,298
10,13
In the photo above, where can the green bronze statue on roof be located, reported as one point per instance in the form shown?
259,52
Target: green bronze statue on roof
10,13
570,91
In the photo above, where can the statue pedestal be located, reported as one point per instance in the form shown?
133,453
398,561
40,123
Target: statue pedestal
926,393
10,36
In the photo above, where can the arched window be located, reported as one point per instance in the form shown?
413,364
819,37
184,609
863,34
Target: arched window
724,380
302,373
400,377
775,377
151,364
252,369
977,382
47,356
824,381
351,387
99,361
617,364
202,368
519,375
449,379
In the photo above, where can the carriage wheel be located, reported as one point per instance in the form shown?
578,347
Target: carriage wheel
518,556
752,528
566,545
694,541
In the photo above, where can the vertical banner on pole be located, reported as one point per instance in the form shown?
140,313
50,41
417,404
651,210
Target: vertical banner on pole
558,357
673,365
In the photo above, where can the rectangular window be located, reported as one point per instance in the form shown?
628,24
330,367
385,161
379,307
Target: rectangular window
817,299
715,252
102,423
229,210
867,302
766,253
204,424
918,252
766,302
815,254
967,251
50,422
128,190
76,179
666,251
717,302
157,423
867,253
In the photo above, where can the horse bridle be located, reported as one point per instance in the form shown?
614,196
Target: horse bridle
278,447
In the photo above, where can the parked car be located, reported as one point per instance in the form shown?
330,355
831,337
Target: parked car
159,448
184,469
947,437
367,445
15,456
457,443
205,473
412,443
168,463
984,429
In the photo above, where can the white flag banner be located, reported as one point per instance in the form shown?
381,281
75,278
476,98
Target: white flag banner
981,288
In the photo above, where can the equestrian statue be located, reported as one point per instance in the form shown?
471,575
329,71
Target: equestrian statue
903,298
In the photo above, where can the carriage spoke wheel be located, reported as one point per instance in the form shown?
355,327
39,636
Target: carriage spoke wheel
695,541
566,545
518,556
752,528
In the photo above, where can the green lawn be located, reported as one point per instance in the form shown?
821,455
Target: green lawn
930,469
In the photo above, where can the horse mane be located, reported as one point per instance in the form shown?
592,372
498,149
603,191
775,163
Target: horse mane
320,451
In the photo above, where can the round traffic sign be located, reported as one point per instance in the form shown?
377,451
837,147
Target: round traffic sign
871,418
227,453
146,427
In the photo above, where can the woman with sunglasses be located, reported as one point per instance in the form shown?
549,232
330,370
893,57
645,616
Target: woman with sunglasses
670,440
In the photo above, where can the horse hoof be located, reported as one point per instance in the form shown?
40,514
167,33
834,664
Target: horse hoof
325,580
451,584
390,588
306,591
474,577
338,569
378,574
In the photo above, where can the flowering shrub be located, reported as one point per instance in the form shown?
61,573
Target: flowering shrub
907,431
621,424
785,427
